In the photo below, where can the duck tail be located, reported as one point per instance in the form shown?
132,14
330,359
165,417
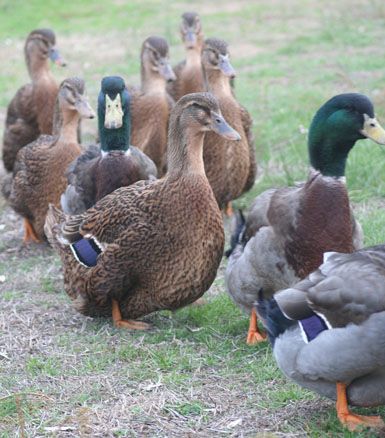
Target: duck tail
237,236
6,186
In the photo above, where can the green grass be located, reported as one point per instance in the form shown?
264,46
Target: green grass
193,371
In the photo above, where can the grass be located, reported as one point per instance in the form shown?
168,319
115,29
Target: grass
62,374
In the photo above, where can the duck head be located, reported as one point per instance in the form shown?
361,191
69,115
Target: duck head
114,114
216,58
193,115
336,127
191,31
39,47
72,97
155,62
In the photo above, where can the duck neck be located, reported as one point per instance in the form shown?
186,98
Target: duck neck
185,151
193,56
152,83
114,139
329,155
69,126
217,83
38,69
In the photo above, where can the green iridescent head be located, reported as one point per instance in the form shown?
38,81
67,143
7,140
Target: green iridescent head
336,127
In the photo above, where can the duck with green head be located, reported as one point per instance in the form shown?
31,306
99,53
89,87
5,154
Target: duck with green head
288,230
100,171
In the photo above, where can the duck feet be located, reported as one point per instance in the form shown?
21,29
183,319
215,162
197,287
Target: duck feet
353,421
29,233
254,335
126,323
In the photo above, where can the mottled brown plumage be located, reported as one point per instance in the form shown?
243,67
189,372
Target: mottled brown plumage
39,171
230,167
151,105
30,112
189,74
161,241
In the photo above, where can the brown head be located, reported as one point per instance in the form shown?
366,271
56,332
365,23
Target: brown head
155,62
39,47
191,31
71,99
193,116
216,58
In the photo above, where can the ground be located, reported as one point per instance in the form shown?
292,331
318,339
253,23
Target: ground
65,375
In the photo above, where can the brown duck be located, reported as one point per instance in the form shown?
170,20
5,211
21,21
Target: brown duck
230,168
39,171
151,105
153,245
30,112
101,170
189,75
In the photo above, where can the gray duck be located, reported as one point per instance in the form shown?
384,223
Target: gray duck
30,112
230,169
39,172
289,229
151,105
155,244
101,170
327,332
189,75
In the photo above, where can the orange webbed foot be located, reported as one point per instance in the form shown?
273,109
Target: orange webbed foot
131,325
254,335
353,421
128,324
29,233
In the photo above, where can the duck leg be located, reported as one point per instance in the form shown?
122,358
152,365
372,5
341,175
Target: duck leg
254,336
29,232
126,323
229,210
349,420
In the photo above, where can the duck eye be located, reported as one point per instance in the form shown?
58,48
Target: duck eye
218,120
373,125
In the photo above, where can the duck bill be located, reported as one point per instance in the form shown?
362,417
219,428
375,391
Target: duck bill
225,66
167,72
221,127
54,56
113,118
84,109
373,130
190,39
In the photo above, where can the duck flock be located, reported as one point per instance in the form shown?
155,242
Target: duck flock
137,218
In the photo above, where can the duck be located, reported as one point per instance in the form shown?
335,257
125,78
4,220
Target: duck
288,229
327,332
230,170
189,75
151,104
39,172
30,112
152,245
115,163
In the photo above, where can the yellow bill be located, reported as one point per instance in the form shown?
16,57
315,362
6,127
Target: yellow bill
373,130
113,118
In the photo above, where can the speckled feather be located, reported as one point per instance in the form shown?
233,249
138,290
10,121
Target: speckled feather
162,241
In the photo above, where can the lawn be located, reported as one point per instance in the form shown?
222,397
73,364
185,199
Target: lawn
65,375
